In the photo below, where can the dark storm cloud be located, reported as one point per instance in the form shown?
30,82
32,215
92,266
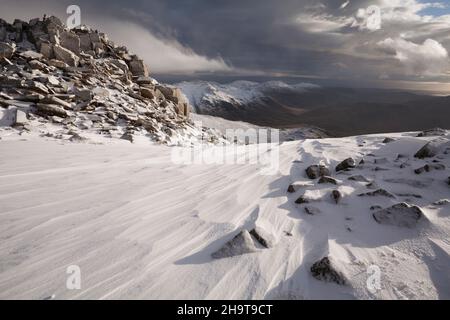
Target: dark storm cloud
290,37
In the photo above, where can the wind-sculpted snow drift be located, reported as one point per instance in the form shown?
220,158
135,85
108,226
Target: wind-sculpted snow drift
140,226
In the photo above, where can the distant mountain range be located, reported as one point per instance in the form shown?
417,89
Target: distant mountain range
340,111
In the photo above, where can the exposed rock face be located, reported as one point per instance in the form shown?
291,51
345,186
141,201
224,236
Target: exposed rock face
242,243
348,163
324,270
401,215
327,179
315,171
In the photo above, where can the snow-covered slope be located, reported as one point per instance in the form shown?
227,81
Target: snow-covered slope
140,226
202,94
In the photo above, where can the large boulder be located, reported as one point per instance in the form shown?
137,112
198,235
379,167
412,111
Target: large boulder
401,215
138,67
242,243
47,50
70,41
315,171
324,270
50,110
66,56
432,148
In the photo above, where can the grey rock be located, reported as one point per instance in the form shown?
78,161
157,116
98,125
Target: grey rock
65,55
429,167
301,200
325,271
138,68
432,148
388,140
327,179
433,132
315,171
291,188
358,178
50,110
21,117
6,50
242,243
336,195
379,192
346,164
401,215
257,234
312,210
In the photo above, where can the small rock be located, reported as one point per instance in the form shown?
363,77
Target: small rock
291,188
315,171
312,210
432,132
401,215
379,192
429,167
323,270
346,164
376,207
260,237
301,200
358,178
242,243
127,136
21,117
388,140
441,202
327,179
336,195
431,149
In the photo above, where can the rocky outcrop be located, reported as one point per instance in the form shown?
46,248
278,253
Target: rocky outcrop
83,77
324,270
433,132
401,215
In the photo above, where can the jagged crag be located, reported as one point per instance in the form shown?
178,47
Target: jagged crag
80,80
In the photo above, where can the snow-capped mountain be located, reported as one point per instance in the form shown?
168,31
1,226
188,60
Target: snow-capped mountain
339,111
205,96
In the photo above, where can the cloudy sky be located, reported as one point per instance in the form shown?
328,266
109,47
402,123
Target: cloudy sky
378,42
